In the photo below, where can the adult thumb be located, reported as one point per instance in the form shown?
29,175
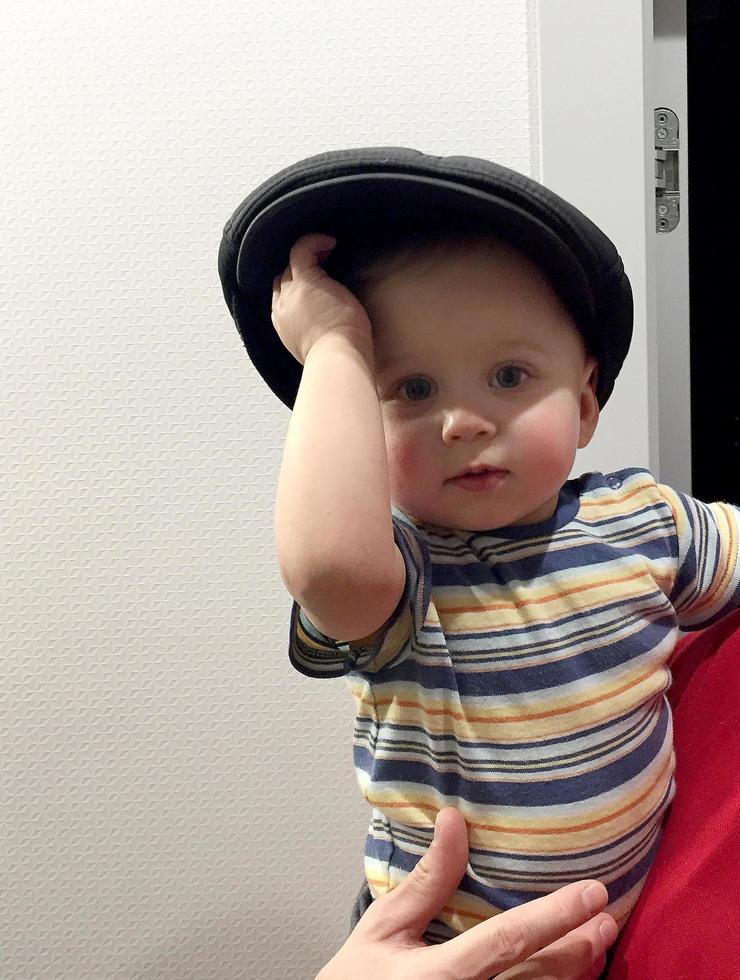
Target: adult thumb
412,904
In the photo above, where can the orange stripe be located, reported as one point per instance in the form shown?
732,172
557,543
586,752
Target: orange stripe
548,598
589,825
571,829
617,500
725,573
460,716
451,910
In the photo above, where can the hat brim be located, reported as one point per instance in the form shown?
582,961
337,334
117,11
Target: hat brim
351,206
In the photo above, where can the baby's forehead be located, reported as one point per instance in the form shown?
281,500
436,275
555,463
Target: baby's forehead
444,342
444,260
409,349
461,249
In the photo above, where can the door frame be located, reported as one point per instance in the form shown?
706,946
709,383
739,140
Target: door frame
599,83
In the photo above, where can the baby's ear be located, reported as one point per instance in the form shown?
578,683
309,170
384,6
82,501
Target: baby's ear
589,403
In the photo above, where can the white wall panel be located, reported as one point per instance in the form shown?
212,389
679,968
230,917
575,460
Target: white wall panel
177,801
596,139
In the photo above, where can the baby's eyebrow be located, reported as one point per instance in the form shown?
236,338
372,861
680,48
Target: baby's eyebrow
508,350
526,347
388,362
383,364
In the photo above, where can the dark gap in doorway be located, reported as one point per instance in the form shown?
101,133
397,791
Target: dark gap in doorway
713,60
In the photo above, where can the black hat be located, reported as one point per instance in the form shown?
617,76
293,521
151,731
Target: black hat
356,193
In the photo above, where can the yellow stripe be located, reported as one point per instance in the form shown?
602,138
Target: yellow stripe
502,716
724,573
589,586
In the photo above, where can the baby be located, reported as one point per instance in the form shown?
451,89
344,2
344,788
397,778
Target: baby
506,631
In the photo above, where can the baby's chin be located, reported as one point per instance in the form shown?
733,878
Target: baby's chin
445,521
487,519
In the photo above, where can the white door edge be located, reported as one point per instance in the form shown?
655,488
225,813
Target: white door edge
597,151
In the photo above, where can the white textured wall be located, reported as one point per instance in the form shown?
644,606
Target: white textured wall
177,802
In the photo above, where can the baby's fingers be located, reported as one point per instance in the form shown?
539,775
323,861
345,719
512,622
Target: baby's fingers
309,250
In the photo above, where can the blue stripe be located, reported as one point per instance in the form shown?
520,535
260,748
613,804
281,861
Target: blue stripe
476,670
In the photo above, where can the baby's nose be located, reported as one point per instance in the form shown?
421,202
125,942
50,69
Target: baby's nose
464,424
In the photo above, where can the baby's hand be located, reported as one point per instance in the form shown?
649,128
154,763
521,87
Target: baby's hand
307,303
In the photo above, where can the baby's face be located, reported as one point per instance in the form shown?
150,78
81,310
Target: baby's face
477,361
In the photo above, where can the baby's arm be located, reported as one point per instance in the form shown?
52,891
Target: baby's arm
707,583
333,526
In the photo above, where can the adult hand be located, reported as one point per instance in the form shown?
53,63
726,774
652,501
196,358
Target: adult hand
557,937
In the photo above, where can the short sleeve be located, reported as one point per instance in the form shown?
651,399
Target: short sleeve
707,583
317,655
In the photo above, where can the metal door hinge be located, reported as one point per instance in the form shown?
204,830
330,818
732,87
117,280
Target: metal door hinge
667,213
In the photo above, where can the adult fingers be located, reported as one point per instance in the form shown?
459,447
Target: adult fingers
413,903
579,954
512,937
308,251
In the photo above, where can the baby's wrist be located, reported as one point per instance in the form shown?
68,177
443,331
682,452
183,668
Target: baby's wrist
353,335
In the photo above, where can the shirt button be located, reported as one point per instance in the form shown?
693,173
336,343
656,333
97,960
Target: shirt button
614,483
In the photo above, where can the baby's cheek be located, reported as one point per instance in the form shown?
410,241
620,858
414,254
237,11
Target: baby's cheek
404,457
549,443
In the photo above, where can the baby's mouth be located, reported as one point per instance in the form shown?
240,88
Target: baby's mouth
480,471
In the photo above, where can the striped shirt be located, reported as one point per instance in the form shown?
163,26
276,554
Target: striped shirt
522,679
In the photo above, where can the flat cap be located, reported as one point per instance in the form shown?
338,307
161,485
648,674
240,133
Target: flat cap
355,193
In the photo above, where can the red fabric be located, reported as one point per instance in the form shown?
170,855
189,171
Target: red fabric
686,925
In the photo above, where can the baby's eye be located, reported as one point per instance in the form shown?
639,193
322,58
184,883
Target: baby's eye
417,388
510,375
418,385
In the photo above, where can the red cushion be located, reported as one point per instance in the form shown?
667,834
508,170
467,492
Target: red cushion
687,921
